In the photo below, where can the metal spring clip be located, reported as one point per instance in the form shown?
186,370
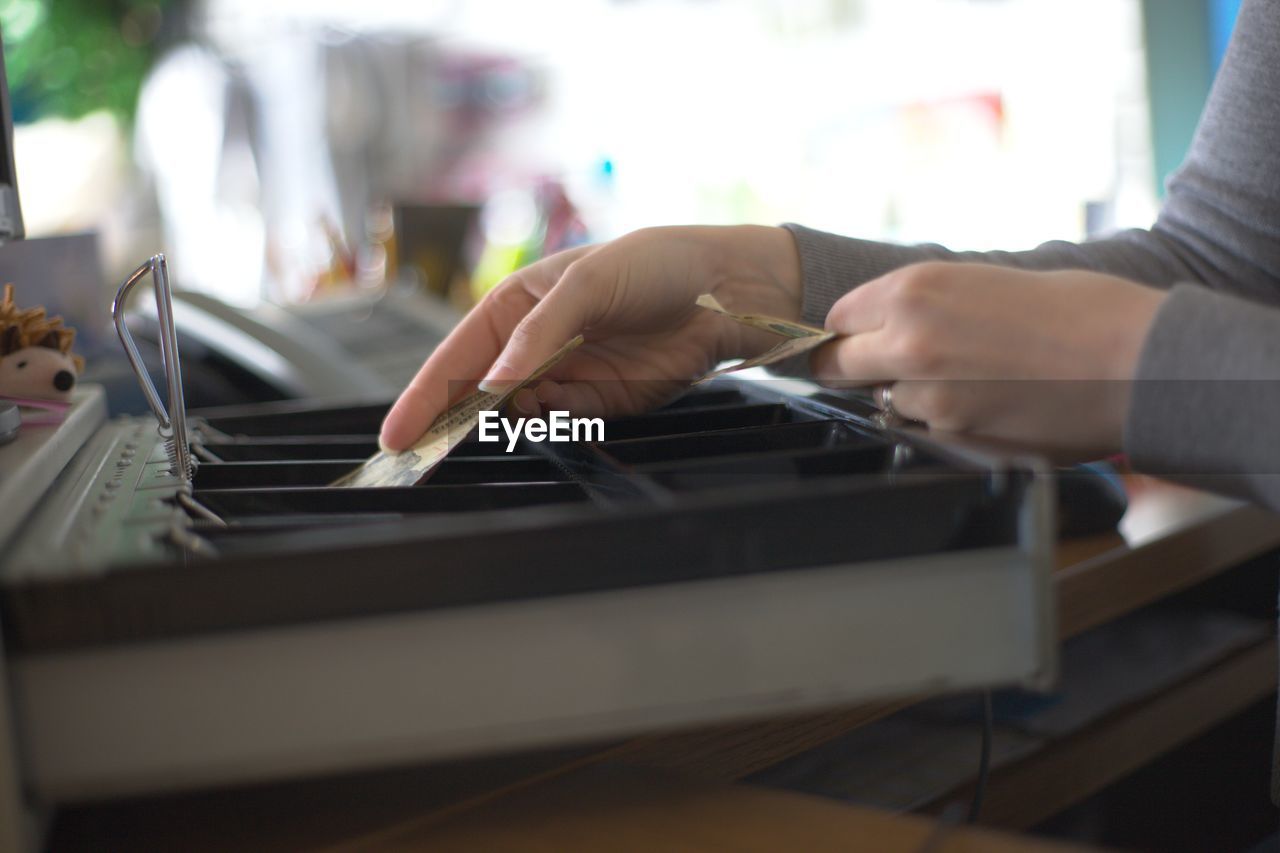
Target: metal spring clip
172,420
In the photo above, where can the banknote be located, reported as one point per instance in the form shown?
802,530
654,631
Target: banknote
446,432
797,337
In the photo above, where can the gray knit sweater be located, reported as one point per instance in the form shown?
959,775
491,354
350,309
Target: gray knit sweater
1206,406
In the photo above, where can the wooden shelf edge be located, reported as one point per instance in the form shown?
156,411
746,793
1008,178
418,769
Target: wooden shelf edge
732,752
1079,765
1109,585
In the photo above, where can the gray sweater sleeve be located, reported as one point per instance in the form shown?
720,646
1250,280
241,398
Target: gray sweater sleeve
1207,401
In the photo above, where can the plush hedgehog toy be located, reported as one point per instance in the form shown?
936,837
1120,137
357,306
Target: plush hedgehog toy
36,362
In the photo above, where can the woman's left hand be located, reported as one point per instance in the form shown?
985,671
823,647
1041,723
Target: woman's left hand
1043,359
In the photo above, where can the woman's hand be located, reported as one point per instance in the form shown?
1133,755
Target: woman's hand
633,300
1045,359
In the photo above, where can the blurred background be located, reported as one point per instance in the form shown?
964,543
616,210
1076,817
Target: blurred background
290,150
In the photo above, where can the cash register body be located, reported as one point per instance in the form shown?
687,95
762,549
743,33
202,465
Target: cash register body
480,613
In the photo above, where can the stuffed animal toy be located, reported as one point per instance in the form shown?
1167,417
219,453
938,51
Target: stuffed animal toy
36,362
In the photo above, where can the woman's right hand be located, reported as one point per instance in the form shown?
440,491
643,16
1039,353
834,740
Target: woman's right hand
633,301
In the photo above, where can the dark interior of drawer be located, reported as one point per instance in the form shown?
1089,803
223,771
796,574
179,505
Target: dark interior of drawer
696,419
776,467
277,464
301,448
244,533
328,447
352,420
288,420
231,504
466,470
247,475
805,435
705,396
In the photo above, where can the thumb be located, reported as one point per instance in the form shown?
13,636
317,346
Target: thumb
860,359
565,311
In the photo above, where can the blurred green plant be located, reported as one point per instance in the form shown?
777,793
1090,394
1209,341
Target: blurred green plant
72,57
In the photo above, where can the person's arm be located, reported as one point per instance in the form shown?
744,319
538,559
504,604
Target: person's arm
1205,404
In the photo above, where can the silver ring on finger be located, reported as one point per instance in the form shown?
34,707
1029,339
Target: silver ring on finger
884,401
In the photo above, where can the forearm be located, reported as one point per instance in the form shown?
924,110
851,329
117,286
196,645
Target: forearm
1206,395
832,265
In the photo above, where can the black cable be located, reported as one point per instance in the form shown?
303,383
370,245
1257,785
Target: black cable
984,761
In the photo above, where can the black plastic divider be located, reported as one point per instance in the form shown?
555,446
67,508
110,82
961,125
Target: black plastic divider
608,484
474,470
468,470
705,396
677,421
771,467
232,504
240,475
349,420
244,533
319,448
491,450
698,445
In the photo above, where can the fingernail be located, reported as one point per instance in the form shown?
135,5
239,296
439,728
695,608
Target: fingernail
384,430
546,391
492,385
525,403
384,443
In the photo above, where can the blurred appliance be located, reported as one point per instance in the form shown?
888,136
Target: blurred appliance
249,145
350,345
742,552
354,347
430,241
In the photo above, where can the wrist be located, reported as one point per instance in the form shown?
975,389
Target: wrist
1136,319
755,270
759,269
1134,315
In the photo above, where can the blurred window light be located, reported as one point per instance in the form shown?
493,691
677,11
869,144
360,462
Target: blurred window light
1000,123
69,172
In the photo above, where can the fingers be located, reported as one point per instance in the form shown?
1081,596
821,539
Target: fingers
595,398
582,399
862,309
470,349
912,400
454,365
568,308
893,327
860,359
